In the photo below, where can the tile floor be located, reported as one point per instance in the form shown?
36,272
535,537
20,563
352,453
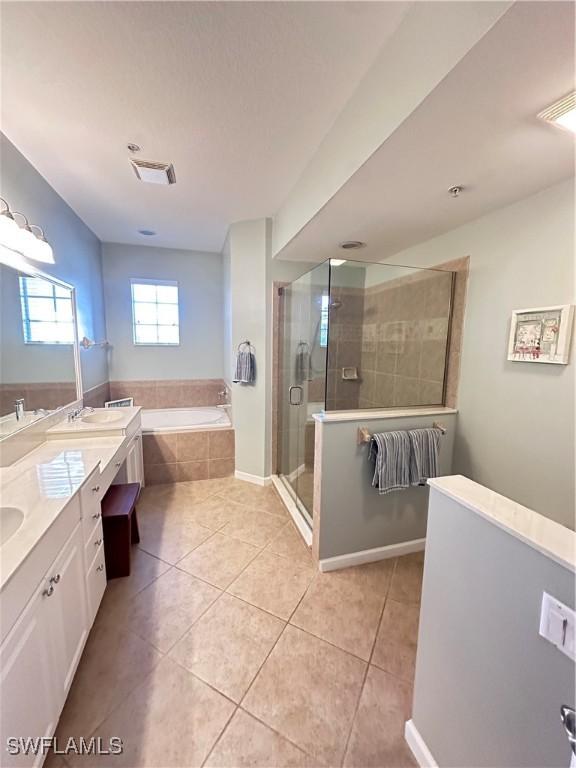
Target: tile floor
226,648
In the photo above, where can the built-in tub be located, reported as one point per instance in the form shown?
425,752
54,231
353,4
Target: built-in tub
185,419
183,444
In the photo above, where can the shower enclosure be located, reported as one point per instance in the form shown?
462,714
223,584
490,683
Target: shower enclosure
355,335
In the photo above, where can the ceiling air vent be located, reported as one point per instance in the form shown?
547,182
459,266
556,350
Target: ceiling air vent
154,173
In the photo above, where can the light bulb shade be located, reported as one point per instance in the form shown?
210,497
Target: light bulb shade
9,231
41,251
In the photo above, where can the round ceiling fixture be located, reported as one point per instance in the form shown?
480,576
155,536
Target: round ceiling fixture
351,245
132,147
455,190
146,232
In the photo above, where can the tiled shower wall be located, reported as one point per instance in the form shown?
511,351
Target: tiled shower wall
345,347
404,341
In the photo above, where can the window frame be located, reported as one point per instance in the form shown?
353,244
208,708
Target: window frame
156,283
28,323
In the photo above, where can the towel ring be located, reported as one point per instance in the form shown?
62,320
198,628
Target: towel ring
246,343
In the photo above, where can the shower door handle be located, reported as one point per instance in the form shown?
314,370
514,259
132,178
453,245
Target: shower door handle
291,398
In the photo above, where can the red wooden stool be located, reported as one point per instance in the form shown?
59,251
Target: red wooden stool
120,526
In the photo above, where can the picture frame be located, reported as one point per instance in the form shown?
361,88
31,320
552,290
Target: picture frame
541,335
125,402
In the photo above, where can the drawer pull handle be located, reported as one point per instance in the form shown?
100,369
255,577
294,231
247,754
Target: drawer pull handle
55,579
100,567
96,488
96,515
97,542
49,592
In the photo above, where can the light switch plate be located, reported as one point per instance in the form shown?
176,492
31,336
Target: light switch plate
557,625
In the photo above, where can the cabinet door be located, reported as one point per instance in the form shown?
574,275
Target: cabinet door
134,462
29,697
68,610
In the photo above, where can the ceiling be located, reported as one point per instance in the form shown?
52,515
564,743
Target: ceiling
238,95
478,128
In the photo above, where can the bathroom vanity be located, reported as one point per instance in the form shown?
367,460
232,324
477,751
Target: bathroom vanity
52,568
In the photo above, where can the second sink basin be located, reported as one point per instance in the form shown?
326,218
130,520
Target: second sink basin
102,418
11,518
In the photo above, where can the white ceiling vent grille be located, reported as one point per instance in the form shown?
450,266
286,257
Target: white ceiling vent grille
154,173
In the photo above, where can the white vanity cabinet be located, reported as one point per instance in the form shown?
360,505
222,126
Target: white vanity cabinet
135,461
39,657
93,538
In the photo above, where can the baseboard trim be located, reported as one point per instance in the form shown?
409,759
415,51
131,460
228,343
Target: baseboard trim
293,510
256,479
418,746
371,555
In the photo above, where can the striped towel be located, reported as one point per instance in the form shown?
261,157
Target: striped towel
391,451
245,367
424,447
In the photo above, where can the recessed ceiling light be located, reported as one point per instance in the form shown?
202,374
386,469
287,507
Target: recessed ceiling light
337,262
351,245
154,173
146,232
562,113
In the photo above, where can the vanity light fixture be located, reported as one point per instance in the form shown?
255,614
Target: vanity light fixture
562,113
22,239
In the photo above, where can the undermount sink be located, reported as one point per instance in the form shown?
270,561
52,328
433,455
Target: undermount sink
102,418
11,518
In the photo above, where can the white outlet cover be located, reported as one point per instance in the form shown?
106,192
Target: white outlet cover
558,625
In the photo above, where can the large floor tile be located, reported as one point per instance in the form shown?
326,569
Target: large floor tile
260,497
253,526
228,645
216,511
308,690
114,662
395,648
219,560
406,585
163,612
377,738
171,720
372,577
289,543
341,613
247,743
273,583
171,541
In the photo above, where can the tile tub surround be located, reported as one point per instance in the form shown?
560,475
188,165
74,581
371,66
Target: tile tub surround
48,395
95,397
183,456
253,676
169,393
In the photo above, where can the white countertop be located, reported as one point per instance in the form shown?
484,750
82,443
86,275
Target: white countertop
373,414
41,484
552,539
82,427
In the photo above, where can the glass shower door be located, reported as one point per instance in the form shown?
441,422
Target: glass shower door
302,375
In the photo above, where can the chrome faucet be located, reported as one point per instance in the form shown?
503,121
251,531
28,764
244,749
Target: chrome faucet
223,394
77,412
19,408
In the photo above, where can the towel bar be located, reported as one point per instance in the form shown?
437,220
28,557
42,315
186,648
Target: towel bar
364,436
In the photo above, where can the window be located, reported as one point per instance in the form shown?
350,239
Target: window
47,316
155,312
324,320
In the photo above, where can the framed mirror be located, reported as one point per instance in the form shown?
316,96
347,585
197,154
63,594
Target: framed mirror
39,357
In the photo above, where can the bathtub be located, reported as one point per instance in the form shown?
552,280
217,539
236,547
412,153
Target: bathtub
160,420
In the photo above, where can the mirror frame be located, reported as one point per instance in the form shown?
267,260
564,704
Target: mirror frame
15,261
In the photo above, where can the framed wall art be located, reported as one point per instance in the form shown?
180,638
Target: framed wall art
541,335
